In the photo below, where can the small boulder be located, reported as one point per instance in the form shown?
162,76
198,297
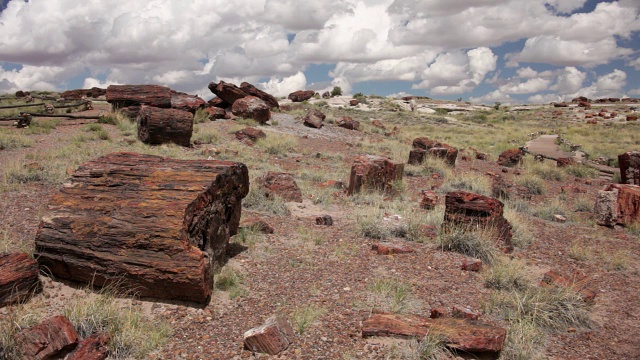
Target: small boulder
52,338
272,337
18,278
314,118
354,102
565,162
93,347
301,95
254,91
348,123
391,249
378,124
250,133
215,113
511,157
374,172
464,313
471,265
251,107
429,200
325,220
281,184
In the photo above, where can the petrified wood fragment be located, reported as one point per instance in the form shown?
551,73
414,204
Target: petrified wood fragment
131,95
18,278
374,173
161,126
159,226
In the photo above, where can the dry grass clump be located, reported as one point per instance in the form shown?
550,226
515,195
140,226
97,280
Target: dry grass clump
302,318
258,201
546,170
278,144
9,242
521,232
209,136
506,274
96,130
582,171
200,116
15,319
230,280
533,183
548,209
474,242
430,347
524,341
471,182
11,141
41,126
391,294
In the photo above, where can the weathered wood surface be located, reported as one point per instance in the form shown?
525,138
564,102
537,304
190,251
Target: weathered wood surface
161,126
51,339
159,226
130,95
18,278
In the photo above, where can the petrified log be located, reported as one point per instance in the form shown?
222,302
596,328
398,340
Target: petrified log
348,123
186,102
423,146
227,91
160,126
314,118
511,157
18,278
251,107
158,226
374,173
250,133
301,95
629,163
628,203
469,210
52,338
130,95
281,184
93,347
460,334
253,91
274,336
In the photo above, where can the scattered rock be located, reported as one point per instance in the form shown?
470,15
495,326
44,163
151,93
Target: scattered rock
378,124
324,220
18,278
53,338
314,118
559,218
281,184
438,313
251,107
374,172
562,104
474,265
629,163
464,313
254,91
578,283
354,102
429,200
565,162
274,336
423,147
93,347
301,95
250,133
326,95
348,123
632,117
511,157
390,249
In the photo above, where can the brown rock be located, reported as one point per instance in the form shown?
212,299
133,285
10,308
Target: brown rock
468,210
301,95
314,118
250,133
373,173
424,146
584,104
159,226
20,94
438,313
592,122
78,94
324,220
461,334
94,347
464,313
254,91
565,162
251,107
228,92
131,95
471,265
274,336
628,203
390,249
186,102
429,200
511,157
348,123
354,102
216,113
562,104
629,163
378,124
281,184
326,95
162,126
219,103
53,337
578,283
632,117
18,278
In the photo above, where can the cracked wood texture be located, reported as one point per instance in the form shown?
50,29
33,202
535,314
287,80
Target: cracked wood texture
161,126
158,226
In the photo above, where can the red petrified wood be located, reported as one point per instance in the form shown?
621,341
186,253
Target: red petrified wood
18,278
131,95
94,347
161,126
158,226
511,157
301,95
251,107
52,338
281,184
373,172
629,167
274,336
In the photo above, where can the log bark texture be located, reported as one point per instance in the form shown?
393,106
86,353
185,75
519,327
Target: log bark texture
130,95
53,338
160,126
159,226
18,278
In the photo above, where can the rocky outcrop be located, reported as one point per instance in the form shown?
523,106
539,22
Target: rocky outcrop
280,184
254,91
53,338
301,95
158,126
314,118
18,278
423,147
370,172
131,95
251,107
469,210
511,157
227,92
460,334
274,336
158,226
629,163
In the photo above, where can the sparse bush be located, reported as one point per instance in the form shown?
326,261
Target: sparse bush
524,342
582,171
200,116
546,170
477,243
533,183
337,91
9,141
230,280
506,274
279,144
304,317
392,294
210,136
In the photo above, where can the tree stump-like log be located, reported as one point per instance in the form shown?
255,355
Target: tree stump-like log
131,95
160,126
157,226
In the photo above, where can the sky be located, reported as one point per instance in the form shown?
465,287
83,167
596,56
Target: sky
483,51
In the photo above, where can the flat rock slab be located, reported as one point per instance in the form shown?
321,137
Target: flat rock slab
460,334
158,226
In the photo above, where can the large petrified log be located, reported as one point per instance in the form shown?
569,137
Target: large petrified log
159,226
251,107
469,210
186,102
374,172
423,146
130,95
227,91
160,126
629,163
18,278
461,334
301,95
254,91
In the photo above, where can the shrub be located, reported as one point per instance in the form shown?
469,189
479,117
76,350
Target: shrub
200,116
304,317
533,183
279,144
337,91
582,171
506,274
477,243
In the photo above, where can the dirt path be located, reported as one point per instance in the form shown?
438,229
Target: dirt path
546,145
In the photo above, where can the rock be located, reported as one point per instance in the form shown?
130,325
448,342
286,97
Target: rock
437,313
254,91
354,102
469,210
606,207
156,225
562,104
629,163
186,102
281,184
250,133
326,95
131,95
578,283
314,118
471,265
18,278
324,220
592,122
424,146
632,117
78,94
374,173
274,336
348,123
460,334
584,104
216,113
251,107
228,92
218,103
511,157
162,126
559,218
429,200
565,162
257,225
378,124
52,338
391,249
628,203
301,95
464,313
93,347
